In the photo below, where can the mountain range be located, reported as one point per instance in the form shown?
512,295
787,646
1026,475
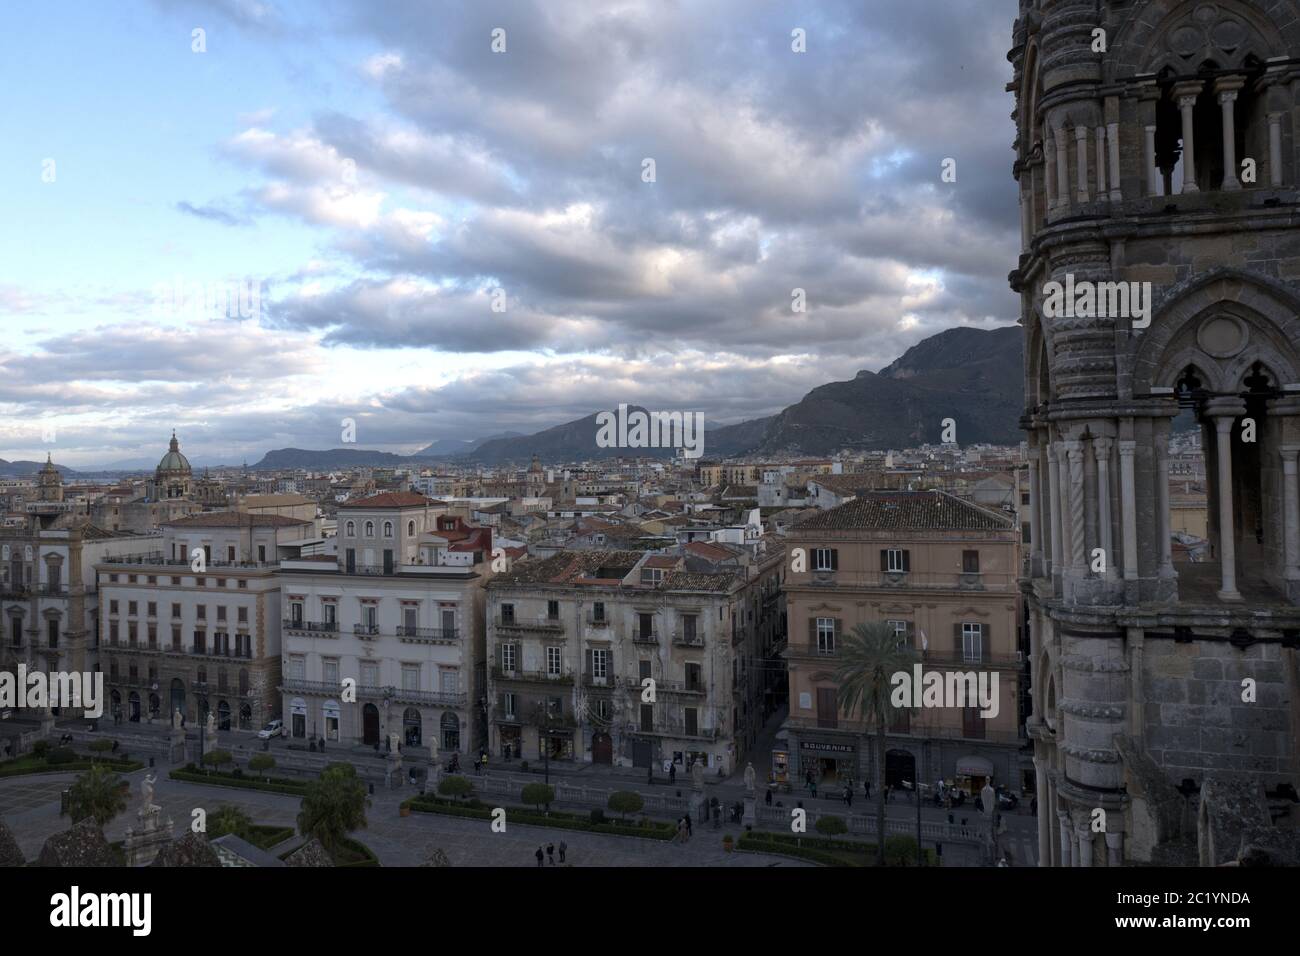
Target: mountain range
973,376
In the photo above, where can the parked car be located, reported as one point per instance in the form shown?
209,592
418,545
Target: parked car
1006,799
274,729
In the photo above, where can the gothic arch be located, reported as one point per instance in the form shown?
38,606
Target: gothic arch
1267,310
1181,35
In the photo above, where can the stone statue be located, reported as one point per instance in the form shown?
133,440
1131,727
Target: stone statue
697,774
212,722
394,744
177,719
749,778
146,789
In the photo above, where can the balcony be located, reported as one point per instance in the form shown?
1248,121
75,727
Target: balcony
549,625
427,635
667,686
532,677
15,590
157,559
958,661
52,590
427,698
597,621
644,637
853,727
315,628
796,650
367,632
688,640
678,731
905,580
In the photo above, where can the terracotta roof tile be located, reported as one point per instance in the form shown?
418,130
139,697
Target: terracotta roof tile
907,511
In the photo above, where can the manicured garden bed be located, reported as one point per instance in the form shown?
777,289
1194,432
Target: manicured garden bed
192,774
474,809
30,763
827,852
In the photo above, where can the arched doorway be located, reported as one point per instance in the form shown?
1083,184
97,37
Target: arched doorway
223,715
133,708
155,706
411,727
245,717
900,765
450,731
370,724
178,696
602,749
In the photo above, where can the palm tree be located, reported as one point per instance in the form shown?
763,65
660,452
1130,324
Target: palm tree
97,794
869,656
229,818
334,805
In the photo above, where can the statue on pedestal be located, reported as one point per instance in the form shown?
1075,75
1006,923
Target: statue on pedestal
212,724
749,778
146,790
697,774
177,719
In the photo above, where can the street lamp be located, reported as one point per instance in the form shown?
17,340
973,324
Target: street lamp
917,789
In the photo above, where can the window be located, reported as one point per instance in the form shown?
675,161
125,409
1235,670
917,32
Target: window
598,611
554,661
410,529
644,669
552,610
352,529
824,630
599,662
330,670
230,554
201,612
602,709
176,610
295,612
53,632
646,624
176,638
331,612
828,710
972,724
153,609
507,657
826,559
131,608
509,705
692,722
409,616
388,529
902,629
369,674
970,562
688,628
297,666
410,677
450,681
652,575
693,678
112,607
370,529
241,615
895,560
647,718
972,641
507,614
221,612
261,554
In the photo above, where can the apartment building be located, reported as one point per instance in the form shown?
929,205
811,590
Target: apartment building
576,641
48,597
194,626
942,571
397,613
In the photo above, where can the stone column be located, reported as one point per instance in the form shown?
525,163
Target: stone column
1025,207
1100,136
1128,508
1054,500
1186,94
1101,450
1035,525
1225,412
1084,832
1291,511
1275,149
1227,89
1114,848
1078,531
1081,161
1112,146
1162,503
1062,169
1155,185
1063,820
1049,170
1044,813
1072,835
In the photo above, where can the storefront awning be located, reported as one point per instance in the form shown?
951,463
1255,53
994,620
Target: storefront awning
974,767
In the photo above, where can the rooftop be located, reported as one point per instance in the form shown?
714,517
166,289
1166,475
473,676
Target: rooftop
392,499
235,519
907,511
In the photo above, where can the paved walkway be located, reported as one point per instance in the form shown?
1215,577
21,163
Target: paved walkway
30,806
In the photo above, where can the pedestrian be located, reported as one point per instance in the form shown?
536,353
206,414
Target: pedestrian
866,785
681,831
1033,805
848,797
769,796
538,854
809,782
322,745
564,848
672,773
689,831
814,789
550,853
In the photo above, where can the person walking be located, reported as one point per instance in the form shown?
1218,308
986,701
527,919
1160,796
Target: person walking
866,785
814,786
689,830
564,848
848,797
672,774
681,832
809,782
550,853
538,854
768,798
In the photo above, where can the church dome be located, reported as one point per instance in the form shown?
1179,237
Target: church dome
174,462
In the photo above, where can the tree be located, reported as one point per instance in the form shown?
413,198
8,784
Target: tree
333,806
96,794
831,825
101,746
260,763
538,794
229,818
624,802
870,655
218,758
455,786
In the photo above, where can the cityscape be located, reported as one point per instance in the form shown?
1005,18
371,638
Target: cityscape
535,435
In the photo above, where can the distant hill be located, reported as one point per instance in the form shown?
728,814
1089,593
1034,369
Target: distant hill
291,458
25,469
454,448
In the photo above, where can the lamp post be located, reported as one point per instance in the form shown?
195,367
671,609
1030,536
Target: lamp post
917,789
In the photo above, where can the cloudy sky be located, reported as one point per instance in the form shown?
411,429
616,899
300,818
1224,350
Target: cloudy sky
315,211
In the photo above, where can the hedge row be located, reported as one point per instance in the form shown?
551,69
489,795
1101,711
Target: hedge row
361,854
649,830
897,855
27,765
192,774
754,843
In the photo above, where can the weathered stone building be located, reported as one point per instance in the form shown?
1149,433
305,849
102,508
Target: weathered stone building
1157,144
